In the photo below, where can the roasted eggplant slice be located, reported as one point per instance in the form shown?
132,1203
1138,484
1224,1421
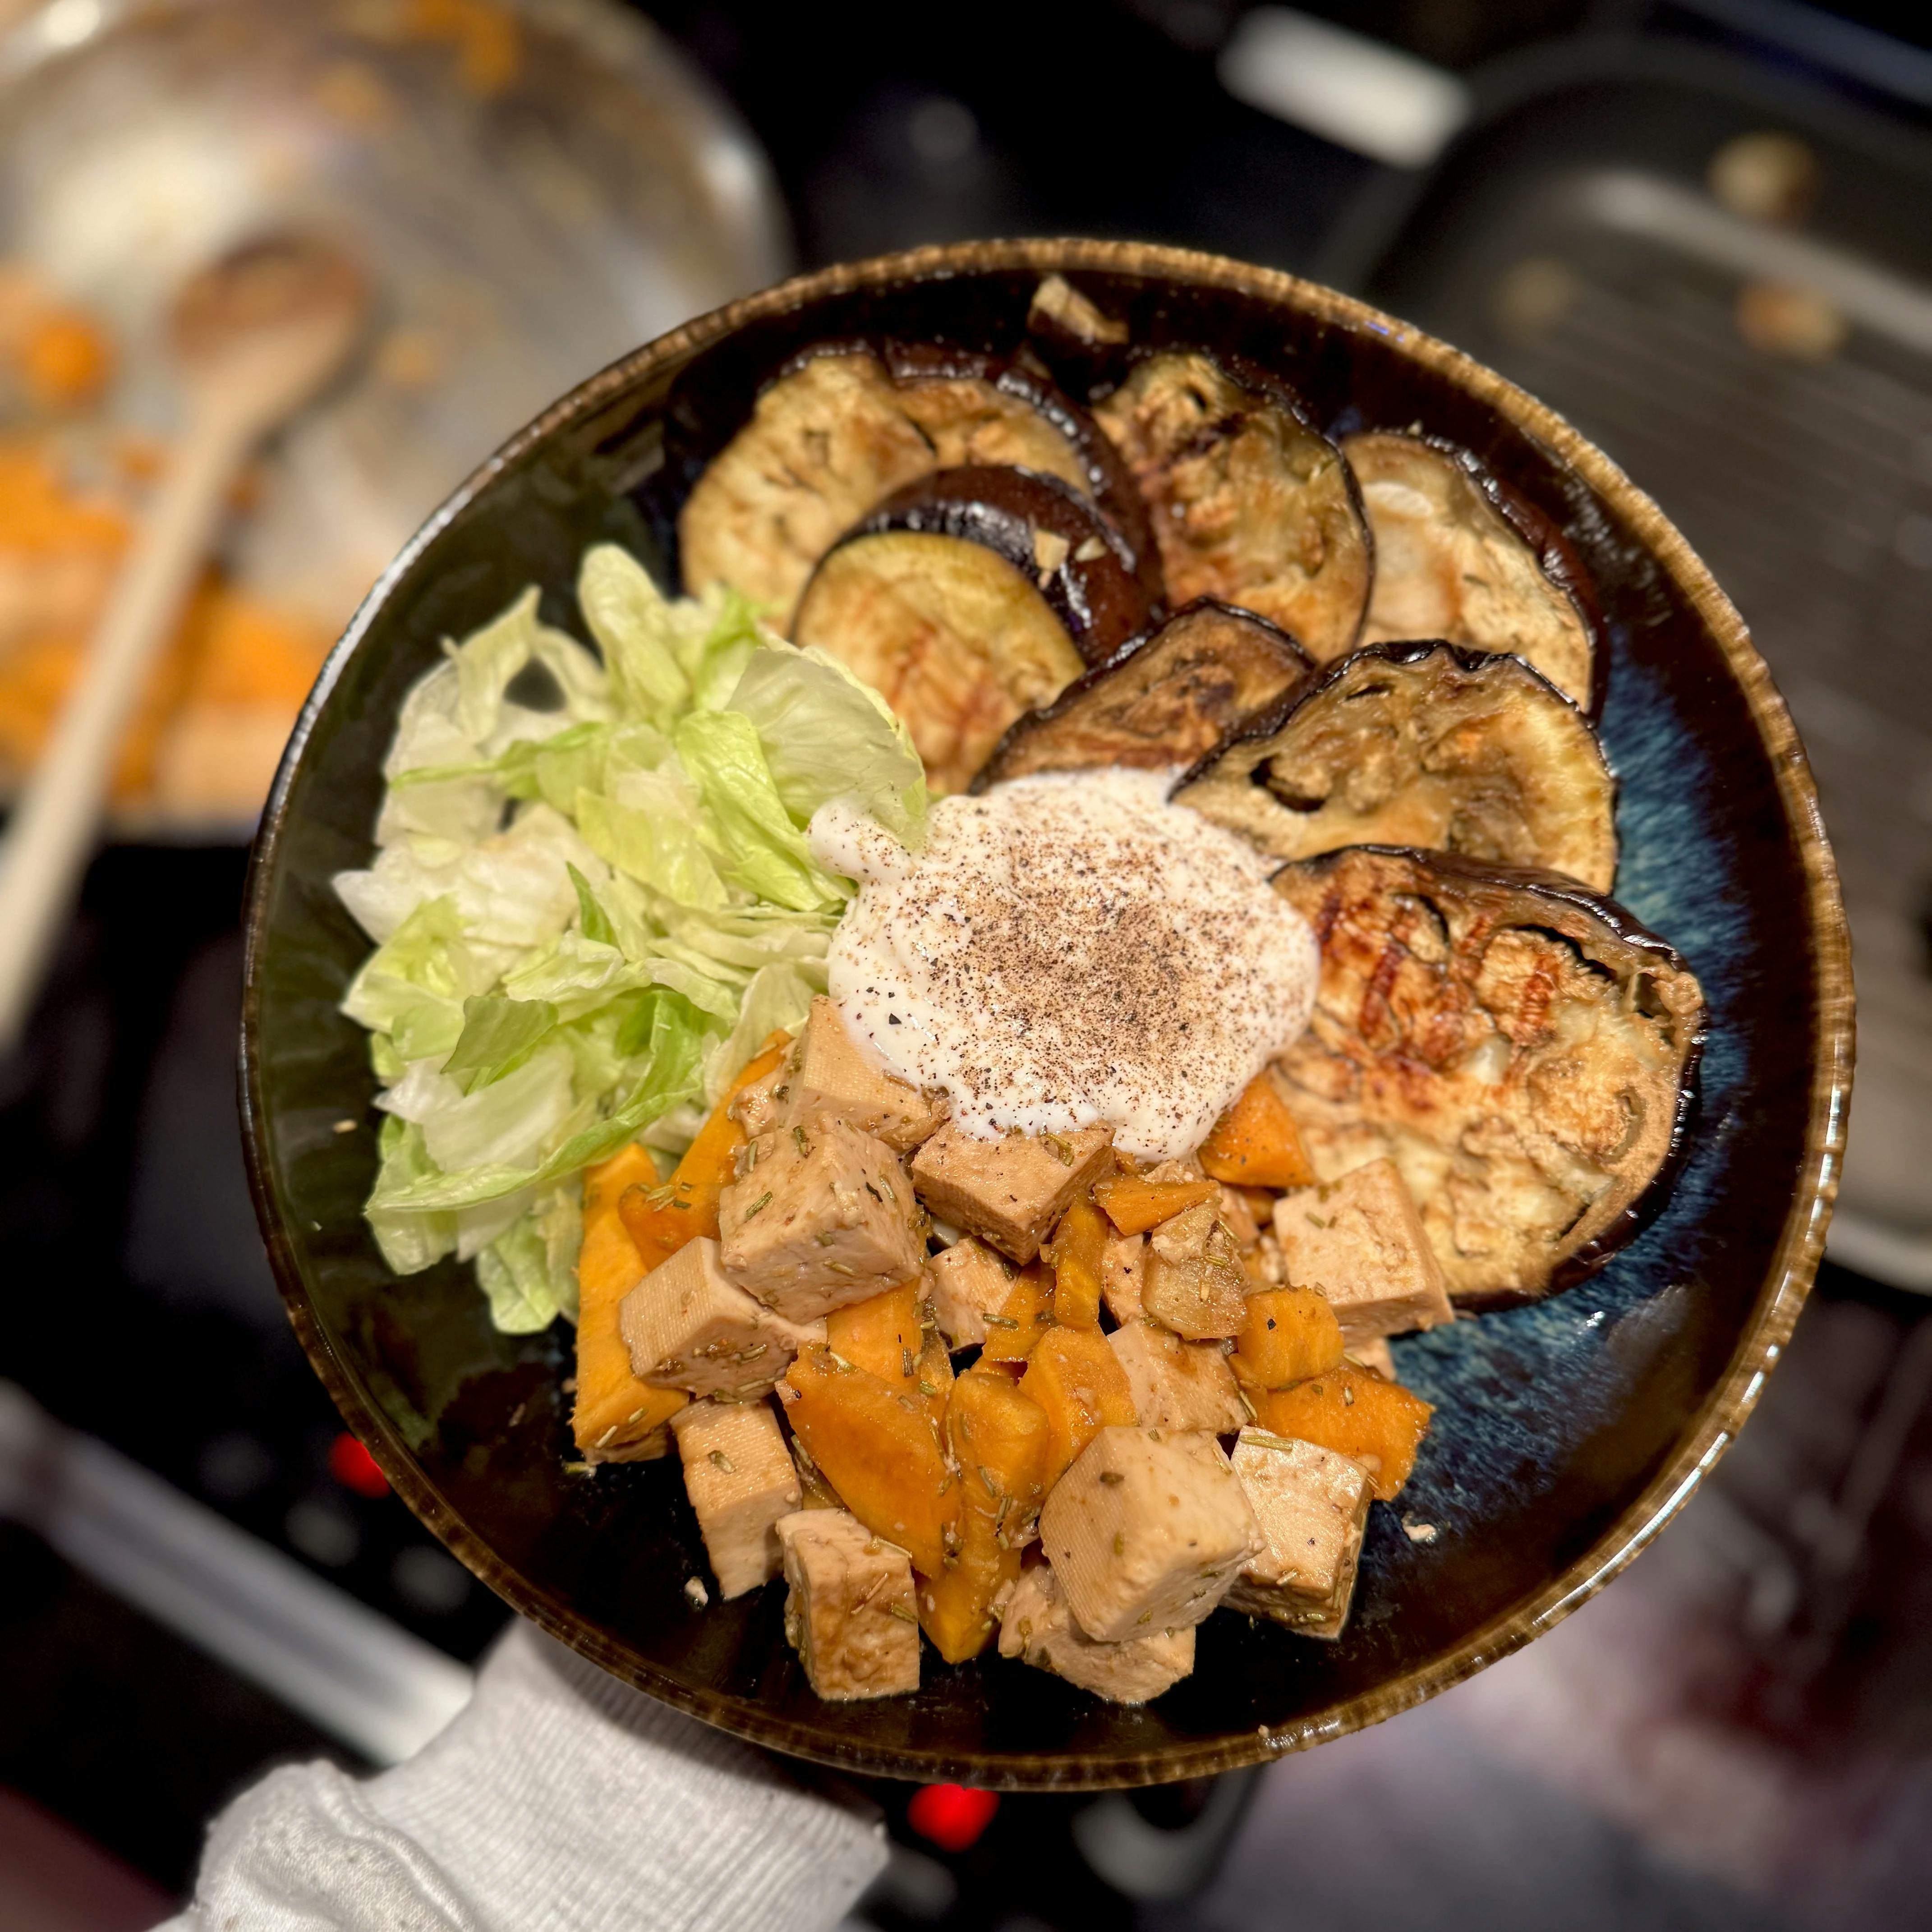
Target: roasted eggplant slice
1163,700
1250,502
846,425
1422,744
1460,557
1524,1051
1046,531
958,637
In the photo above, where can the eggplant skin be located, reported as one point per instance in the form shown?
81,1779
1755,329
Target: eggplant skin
957,640
1162,700
1524,1051
1459,556
1045,530
1421,745
845,424
1250,503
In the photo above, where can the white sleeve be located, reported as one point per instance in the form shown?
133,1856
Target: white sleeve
558,1800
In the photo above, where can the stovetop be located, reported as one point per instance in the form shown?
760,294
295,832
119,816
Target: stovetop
1735,1736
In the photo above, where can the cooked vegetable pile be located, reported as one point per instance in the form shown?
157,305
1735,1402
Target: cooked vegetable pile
979,1392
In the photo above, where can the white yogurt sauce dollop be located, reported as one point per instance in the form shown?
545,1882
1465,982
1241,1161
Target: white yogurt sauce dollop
1068,949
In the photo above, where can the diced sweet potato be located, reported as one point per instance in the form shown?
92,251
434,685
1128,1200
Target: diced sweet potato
1135,1203
1009,1191
1290,1334
894,1335
998,1437
882,1334
1194,1282
1077,1251
1381,1424
1024,1318
1254,1144
880,1450
617,1418
1078,1380
660,1220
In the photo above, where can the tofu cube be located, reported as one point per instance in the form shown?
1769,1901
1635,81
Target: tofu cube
849,1612
1146,1532
1359,1241
829,1074
821,1217
1010,1191
1036,1626
1311,1504
1178,1384
1123,1263
687,1327
1375,1355
965,1283
741,1480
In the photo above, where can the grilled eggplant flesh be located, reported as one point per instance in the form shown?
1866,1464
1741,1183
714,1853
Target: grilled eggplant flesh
1163,700
1459,557
1523,1050
1250,502
1421,745
846,426
958,640
1084,567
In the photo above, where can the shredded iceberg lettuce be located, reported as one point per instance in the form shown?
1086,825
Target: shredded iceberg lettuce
592,900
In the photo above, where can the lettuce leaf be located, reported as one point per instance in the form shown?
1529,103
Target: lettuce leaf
827,736
593,902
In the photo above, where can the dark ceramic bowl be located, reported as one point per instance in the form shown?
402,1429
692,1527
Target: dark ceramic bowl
1568,1433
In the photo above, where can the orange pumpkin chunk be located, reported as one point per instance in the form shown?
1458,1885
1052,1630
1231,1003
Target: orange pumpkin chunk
892,1335
1256,1144
1134,1205
1355,1413
998,1436
1290,1333
661,1220
1078,1380
1024,1318
617,1418
1077,1251
879,1448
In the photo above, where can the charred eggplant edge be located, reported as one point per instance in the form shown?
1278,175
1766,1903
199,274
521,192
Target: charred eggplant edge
1651,1200
1556,556
1046,714
1029,381
1404,651
922,508
1256,381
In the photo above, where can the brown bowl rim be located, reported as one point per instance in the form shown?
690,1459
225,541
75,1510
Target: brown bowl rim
1801,1241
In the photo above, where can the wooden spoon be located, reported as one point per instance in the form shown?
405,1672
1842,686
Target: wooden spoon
254,335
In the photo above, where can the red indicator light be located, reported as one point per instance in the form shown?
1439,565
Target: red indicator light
355,1468
952,1816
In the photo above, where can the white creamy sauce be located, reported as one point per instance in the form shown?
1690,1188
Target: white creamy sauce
1067,949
